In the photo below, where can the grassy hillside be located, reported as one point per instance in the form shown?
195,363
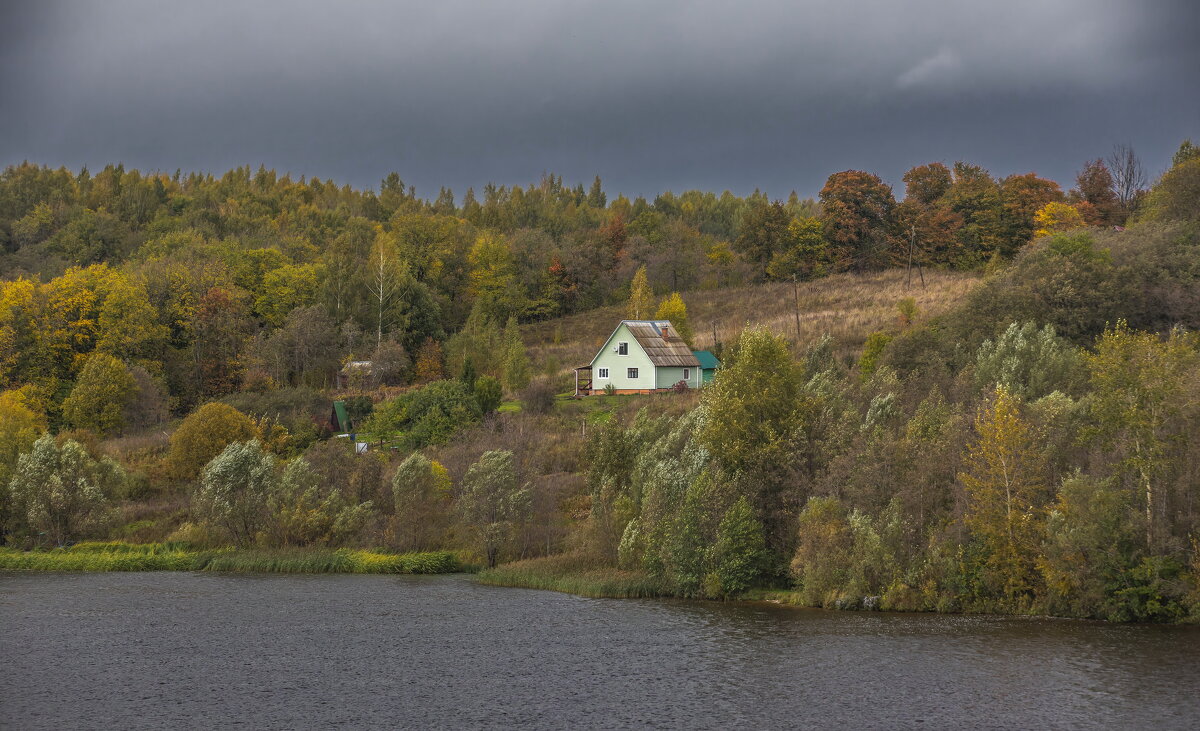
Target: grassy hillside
848,307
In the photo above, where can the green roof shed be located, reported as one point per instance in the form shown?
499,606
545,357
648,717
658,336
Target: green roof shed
708,363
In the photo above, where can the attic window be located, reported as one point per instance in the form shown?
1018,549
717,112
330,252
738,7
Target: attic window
622,348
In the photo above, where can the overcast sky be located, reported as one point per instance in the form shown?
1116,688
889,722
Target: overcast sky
649,95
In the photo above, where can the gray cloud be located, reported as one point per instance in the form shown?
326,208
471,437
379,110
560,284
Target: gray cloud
651,96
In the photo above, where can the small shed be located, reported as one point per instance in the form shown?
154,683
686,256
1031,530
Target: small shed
339,419
354,374
708,364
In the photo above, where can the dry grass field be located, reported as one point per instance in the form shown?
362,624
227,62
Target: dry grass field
849,307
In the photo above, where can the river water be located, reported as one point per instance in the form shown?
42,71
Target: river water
179,650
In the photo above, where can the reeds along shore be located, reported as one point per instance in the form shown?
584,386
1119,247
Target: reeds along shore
572,574
115,556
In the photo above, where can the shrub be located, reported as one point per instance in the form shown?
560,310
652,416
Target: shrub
488,393
538,398
61,491
203,435
234,489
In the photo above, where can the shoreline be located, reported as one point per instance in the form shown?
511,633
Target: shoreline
115,556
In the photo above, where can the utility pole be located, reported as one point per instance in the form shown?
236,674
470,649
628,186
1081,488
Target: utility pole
912,244
796,297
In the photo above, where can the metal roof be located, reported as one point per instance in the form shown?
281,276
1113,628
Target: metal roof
661,343
707,359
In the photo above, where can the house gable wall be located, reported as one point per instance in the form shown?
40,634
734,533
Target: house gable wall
618,365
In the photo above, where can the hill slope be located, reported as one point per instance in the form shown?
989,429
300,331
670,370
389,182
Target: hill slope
849,307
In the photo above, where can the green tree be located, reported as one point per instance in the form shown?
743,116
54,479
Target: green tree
492,502
421,495
1091,545
641,297
516,362
489,394
740,551
806,255
1029,362
203,435
674,310
763,233
304,510
128,323
1141,386
234,491
821,564
98,401
285,289
61,492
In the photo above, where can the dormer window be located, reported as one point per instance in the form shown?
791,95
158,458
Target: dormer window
622,348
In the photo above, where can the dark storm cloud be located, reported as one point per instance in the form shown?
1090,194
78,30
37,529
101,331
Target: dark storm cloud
649,95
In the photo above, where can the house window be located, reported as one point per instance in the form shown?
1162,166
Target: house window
601,373
687,374
622,348
632,373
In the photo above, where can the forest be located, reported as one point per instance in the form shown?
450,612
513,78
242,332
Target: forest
171,345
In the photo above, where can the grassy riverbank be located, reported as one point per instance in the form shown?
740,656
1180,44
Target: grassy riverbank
572,575
116,556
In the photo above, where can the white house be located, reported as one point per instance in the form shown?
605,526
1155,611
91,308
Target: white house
641,356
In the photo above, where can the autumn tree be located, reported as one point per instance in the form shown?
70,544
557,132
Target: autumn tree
493,278
926,184
202,436
222,327
1021,197
975,198
1099,204
285,289
428,366
763,232
20,426
1004,482
641,297
128,323
1055,218
857,218
674,310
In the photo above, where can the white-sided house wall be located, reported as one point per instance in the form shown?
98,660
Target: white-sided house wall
611,367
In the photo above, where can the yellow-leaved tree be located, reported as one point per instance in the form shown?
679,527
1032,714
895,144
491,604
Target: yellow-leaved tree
1055,218
641,297
672,308
1004,479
